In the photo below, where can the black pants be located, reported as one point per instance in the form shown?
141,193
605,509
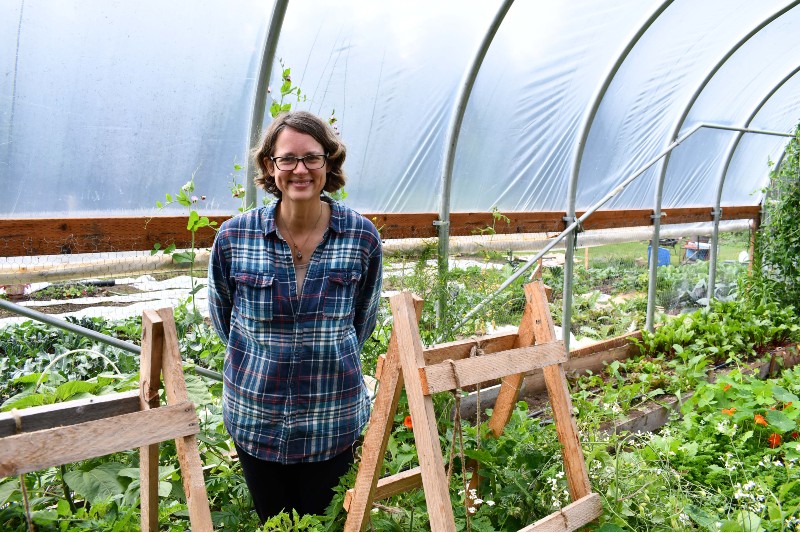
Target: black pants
304,487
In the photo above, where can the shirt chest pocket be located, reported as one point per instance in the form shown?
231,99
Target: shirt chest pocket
254,295
340,294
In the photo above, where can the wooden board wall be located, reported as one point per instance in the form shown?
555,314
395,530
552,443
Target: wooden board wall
48,236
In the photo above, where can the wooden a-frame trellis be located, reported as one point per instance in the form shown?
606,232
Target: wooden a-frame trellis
40,437
446,367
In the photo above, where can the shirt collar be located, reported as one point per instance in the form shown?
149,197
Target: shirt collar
336,223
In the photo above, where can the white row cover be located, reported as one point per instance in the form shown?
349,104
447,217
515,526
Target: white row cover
106,105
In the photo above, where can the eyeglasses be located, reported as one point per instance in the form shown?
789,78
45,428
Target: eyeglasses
311,161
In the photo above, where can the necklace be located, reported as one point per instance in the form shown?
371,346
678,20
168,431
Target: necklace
298,253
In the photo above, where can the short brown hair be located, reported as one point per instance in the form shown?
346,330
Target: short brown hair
308,123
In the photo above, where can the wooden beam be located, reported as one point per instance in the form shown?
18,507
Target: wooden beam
28,452
390,486
358,500
462,349
572,517
49,236
149,385
72,412
54,236
194,485
426,433
465,372
567,430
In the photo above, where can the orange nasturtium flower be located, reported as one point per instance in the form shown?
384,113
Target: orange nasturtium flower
760,420
774,440
726,387
407,422
730,411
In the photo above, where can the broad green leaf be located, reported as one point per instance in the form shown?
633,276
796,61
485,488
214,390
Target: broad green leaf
28,400
8,489
749,521
482,456
133,473
780,421
193,218
783,395
731,525
28,378
44,517
702,517
183,257
169,197
63,508
197,390
98,484
69,389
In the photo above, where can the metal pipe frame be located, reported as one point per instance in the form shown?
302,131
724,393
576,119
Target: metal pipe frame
570,228
260,96
679,123
577,158
712,267
94,335
456,119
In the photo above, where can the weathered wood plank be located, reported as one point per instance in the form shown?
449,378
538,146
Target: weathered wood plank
462,349
465,372
29,452
390,486
572,517
358,500
53,236
426,434
71,412
567,430
149,384
188,452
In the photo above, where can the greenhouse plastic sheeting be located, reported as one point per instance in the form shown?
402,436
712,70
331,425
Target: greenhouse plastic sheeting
105,106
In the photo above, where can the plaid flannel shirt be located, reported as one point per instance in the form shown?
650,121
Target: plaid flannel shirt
293,388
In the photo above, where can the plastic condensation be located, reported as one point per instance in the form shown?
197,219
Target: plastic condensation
106,105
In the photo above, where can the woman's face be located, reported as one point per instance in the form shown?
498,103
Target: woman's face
300,184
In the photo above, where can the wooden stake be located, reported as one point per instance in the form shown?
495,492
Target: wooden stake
188,452
359,499
149,381
426,435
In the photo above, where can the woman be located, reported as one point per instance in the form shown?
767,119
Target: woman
293,291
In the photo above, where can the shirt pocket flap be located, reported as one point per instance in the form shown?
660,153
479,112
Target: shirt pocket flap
340,293
254,294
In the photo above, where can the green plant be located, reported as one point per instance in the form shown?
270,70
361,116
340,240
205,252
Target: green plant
778,240
185,198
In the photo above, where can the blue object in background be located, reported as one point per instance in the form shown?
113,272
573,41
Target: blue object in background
699,254
663,256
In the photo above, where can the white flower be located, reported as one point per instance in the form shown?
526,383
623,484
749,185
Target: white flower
477,501
472,510
490,502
